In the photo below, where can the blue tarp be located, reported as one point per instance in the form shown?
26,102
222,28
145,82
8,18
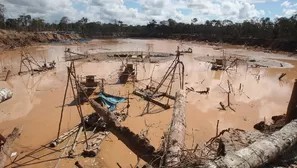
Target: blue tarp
110,101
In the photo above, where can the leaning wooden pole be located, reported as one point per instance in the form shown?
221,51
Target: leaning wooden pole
177,131
140,146
292,106
260,152
5,151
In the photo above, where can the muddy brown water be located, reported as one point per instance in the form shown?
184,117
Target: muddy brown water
37,99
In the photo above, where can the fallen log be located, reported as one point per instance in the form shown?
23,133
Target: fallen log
5,151
140,146
260,152
177,131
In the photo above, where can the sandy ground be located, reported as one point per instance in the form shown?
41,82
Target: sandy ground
37,99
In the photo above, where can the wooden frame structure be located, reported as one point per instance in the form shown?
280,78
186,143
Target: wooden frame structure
72,56
70,79
150,93
89,123
28,61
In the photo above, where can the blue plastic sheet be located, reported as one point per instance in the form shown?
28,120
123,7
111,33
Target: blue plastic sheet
111,101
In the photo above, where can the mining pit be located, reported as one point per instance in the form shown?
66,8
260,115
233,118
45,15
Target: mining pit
248,84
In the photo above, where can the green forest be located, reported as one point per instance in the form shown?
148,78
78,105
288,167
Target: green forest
280,33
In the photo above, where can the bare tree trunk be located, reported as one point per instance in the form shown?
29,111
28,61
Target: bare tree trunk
292,106
177,131
5,151
140,146
261,152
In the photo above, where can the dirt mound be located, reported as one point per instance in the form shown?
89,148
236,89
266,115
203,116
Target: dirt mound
12,39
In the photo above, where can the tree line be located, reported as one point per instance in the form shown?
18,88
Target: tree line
256,29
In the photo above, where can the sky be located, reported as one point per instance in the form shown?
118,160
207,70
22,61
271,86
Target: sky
134,12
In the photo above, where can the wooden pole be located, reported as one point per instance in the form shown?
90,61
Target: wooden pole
217,130
71,152
177,131
21,62
260,152
78,104
292,106
229,93
62,110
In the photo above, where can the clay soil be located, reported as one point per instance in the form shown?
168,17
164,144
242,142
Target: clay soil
37,99
11,39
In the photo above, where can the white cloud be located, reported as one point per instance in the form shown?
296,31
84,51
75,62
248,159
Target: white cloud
226,9
289,12
289,9
109,10
286,4
39,8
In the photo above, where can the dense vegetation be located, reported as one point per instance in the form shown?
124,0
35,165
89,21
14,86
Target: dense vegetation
280,33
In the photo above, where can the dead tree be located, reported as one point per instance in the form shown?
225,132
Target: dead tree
292,107
5,151
177,131
260,152
223,107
